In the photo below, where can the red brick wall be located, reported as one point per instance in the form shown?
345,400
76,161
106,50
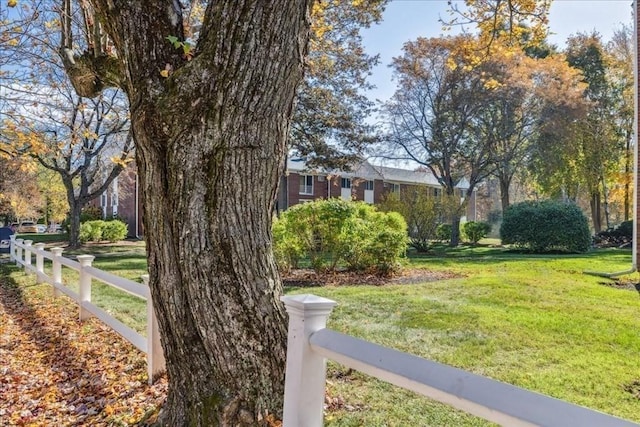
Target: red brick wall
378,191
293,189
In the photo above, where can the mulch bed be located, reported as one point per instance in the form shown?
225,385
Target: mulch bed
307,277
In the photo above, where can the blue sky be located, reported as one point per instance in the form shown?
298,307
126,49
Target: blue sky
406,20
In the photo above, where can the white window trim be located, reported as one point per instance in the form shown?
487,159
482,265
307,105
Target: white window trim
304,189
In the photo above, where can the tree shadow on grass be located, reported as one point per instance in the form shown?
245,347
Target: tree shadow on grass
53,365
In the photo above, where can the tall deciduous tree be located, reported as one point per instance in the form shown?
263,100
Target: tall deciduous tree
441,90
88,149
621,52
210,119
514,114
20,197
56,206
596,142
84,141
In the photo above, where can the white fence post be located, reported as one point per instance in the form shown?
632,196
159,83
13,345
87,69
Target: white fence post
56,270
19,252
39,263
305,378
85,284
12,249
27,256
155,356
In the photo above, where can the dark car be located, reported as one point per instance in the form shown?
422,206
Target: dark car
5,239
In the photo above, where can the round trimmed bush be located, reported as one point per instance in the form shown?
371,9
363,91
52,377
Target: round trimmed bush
114,231
337,233
476,230
544,226
91,231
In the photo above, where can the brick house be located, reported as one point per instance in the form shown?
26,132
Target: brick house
365,182
299,184
123,199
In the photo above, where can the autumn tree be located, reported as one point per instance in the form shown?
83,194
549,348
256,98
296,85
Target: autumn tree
528,93
519,23
88,150
621,52
85,141
54,194
20,197
595,137
441,91
209,111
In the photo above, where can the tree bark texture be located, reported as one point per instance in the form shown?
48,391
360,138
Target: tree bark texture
595,203
211,144
505,185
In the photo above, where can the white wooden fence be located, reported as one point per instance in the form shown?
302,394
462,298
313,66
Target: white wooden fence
310,344
22,252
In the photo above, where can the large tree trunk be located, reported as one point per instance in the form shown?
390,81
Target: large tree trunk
505,184
74,223
211,143
455,230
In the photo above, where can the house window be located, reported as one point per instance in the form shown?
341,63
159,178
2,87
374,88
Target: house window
436,192
306,184
103,200
368,185
395,188
345,182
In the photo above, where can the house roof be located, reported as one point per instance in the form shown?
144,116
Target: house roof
366,170
407,176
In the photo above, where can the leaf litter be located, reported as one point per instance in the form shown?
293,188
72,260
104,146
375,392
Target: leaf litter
58,371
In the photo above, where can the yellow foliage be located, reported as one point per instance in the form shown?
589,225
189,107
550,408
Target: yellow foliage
121,162
12,3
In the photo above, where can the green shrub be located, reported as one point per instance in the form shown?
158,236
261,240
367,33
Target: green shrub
476,230
546,226
335,232
287,247
91,231
443,232
379,239
114,231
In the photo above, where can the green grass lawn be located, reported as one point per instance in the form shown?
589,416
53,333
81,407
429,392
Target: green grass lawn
534,321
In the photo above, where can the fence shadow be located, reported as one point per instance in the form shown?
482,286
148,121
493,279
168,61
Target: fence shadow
73,377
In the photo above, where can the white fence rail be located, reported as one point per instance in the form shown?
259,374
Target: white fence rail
310,344
22,252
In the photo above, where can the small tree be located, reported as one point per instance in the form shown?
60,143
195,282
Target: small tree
422,212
